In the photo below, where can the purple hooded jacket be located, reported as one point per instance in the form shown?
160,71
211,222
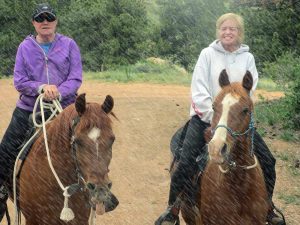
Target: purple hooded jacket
61,67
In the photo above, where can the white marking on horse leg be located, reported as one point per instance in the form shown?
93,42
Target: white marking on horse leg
94,134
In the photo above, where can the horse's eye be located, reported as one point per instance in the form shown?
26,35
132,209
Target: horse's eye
91,186
245,110
213,107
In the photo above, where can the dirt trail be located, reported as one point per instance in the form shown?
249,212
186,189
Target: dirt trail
149,115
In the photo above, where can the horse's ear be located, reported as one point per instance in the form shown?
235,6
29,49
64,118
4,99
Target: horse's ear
80,104
108,104
223,79
248,81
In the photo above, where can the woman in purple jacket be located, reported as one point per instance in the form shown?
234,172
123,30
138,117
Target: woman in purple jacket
47,62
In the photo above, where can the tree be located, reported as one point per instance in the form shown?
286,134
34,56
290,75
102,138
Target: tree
272,27
109,32
187,26
15,25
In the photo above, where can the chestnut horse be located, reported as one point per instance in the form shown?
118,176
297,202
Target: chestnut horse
80,141
233,190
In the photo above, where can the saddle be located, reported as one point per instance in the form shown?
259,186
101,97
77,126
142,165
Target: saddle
176,145
29,134
176,148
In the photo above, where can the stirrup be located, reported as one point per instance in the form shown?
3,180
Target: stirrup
274,219
3,205
168,218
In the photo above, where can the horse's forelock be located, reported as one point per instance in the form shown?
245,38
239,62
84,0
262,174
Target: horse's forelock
94,116
236,89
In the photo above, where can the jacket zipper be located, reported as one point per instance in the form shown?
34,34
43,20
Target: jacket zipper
46,60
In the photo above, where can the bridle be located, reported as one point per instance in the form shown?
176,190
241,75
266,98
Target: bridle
79,174
81,183
231,163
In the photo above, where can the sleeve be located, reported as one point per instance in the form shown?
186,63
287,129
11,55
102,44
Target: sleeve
252,69
22,82
74,79
200,89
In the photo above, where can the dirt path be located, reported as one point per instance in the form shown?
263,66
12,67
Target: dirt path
149,115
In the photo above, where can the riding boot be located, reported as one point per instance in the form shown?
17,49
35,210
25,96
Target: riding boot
170,216
273,218
3,199
185,171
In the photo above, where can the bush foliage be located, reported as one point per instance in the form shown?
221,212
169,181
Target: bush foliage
286,72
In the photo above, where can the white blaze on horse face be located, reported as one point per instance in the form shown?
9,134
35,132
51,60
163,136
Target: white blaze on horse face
219,138
94,134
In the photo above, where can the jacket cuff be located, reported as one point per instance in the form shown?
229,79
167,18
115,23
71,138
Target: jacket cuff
40,90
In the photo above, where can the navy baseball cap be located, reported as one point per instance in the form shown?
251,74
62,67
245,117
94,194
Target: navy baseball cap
43,8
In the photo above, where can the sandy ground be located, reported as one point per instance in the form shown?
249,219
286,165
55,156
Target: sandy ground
149,115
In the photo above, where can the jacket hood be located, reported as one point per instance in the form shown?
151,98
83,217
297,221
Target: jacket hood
219,47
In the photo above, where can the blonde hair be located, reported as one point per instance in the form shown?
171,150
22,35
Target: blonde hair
239,21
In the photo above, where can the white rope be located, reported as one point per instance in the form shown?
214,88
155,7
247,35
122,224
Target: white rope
92,219
66,213
54,107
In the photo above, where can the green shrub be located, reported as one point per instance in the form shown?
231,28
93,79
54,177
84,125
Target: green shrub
285,71
275,114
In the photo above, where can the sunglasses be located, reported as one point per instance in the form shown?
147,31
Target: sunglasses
41,18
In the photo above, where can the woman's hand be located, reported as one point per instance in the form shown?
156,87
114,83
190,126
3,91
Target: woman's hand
50,92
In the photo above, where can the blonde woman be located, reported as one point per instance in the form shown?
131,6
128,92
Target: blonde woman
227,52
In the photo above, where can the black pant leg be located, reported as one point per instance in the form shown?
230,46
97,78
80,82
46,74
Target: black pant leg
12,139
182,176
267,163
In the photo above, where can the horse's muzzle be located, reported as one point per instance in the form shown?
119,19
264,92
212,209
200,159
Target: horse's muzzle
111,203
216,151
103,199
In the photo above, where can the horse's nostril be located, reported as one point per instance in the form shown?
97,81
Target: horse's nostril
224,149
109,185
91,186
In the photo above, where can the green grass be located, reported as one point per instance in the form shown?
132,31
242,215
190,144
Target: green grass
144,71
289,159
274,114
269,112
268,85
289,135
290,199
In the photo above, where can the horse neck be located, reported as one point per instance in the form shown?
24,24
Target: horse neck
59,137
238,178
59,141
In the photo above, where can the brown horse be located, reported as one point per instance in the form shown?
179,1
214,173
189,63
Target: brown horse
233,190
80,141
233,185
